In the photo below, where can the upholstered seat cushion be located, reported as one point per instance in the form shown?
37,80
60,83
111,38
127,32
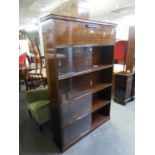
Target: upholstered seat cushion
37,95
40,110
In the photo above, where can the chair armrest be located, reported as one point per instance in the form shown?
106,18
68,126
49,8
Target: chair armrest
37,95
44,104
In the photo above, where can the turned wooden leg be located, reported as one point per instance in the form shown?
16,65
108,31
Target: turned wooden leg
40,128
30,114
26,84
19,86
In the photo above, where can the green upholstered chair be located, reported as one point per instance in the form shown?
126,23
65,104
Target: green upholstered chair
38,105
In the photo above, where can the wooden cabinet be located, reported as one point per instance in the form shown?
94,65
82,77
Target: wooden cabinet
79,60
124,87
133,88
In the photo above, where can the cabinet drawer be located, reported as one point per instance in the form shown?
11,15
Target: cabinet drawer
78,33
76,129
74,110
85,33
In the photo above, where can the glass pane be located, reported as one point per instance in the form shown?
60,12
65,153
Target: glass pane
72,60
76,129
73,87
78,59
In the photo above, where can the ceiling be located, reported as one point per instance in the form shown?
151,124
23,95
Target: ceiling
30,10
103,10
111,10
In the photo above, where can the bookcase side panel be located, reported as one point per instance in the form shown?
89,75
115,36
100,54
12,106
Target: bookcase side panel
48,30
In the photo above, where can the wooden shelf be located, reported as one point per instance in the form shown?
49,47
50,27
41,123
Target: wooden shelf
97,104
93,69
98,119
100,86
79,94
82,45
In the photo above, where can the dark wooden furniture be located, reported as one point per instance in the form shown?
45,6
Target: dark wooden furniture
124,87
124,90
23,76
38,59
130,59
133,88
79,61
23,70
36,76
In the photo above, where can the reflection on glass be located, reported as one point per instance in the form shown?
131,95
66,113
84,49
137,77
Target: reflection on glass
79,59
73,87
71,60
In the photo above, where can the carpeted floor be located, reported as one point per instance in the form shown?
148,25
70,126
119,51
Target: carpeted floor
116,137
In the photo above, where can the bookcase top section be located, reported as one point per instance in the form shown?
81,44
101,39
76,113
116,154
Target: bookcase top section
73,19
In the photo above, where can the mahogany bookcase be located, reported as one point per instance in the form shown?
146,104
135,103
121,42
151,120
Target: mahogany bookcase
79,60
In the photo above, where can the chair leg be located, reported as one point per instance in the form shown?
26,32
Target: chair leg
40,128
26,84
19,86
30,114
43,84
